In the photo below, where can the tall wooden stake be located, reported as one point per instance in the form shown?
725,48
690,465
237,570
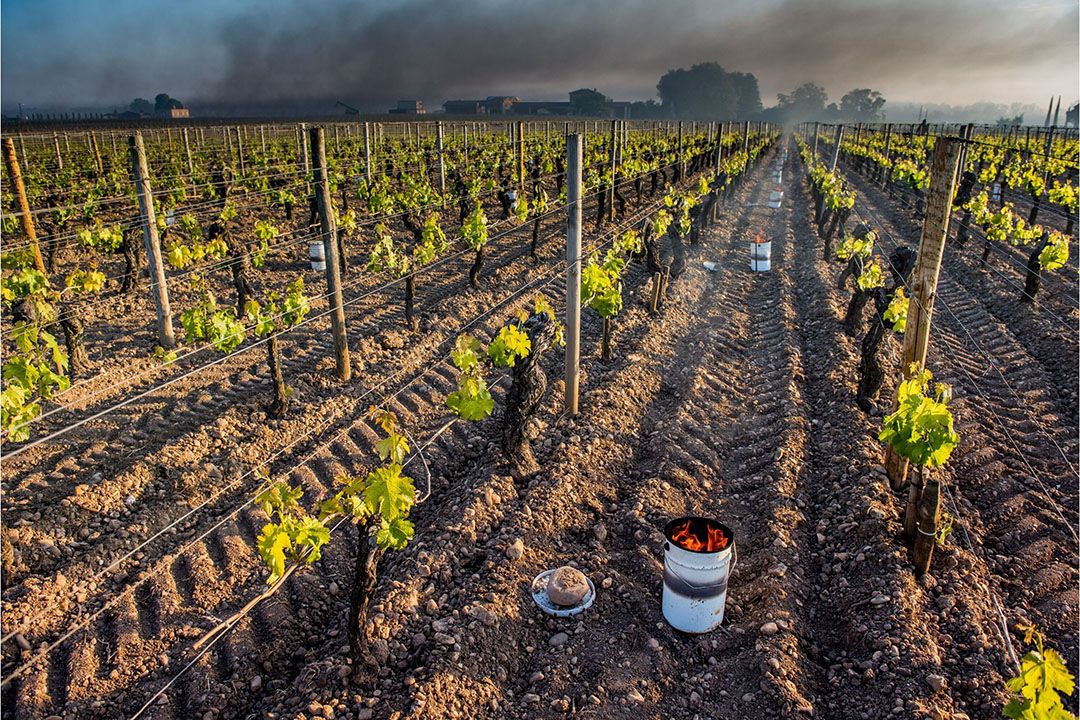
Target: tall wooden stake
924,278
836,150
442,162
158,287
328,225
27,220
367,152
521,158
240,149
97,153
59,155
614,159
187,151
573,270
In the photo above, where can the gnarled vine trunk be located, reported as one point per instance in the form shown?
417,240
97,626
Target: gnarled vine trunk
365,575
474,271
280,403
525,394
78,360
871,372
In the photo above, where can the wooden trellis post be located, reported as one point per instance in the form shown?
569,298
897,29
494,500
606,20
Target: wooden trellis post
924,278
158,287
25,217
328,226
573,270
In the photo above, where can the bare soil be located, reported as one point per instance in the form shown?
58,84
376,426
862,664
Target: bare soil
736,401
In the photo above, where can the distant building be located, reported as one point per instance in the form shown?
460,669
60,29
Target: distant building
408,107
584,103
174,113
499,104
464,107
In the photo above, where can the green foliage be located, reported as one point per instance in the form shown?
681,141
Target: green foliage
508,346
106,239
472,400
1065,195
432,241
475,231
32,374
896,312
1042,682
921,429
1056,252
26,282
278,314
601,288
871,277
852,246
295,536
206,322
85,281
265,232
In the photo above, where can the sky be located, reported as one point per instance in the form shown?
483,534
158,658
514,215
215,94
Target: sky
307,53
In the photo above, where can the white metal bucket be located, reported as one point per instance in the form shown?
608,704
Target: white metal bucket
776,197
317,255
778,176
761,256
695,583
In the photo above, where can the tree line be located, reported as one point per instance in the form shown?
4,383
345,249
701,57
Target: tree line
708,91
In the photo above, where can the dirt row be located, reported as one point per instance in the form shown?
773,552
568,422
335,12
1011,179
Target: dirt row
736,401
167,471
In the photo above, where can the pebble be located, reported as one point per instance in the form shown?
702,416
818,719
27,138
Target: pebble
256,683
516,549
635,696
769,628
558,639
567,586
878,599
936,682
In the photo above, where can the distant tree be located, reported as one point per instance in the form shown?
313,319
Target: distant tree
1010,121
590,103
832,113
647,109
862,105
707,91
1072,115
141,106
806,102
163,103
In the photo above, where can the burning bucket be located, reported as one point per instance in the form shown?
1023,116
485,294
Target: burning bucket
699,553
760,254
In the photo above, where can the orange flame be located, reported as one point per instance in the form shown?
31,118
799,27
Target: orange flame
760,238
714,540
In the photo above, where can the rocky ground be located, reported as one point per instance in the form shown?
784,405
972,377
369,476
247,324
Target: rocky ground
736,401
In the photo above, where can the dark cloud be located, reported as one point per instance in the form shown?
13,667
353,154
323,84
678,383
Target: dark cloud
305,55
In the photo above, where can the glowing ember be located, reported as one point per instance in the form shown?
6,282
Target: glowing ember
686,536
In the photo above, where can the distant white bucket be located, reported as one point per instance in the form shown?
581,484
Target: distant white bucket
776,198
695,581
317,255
761,256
